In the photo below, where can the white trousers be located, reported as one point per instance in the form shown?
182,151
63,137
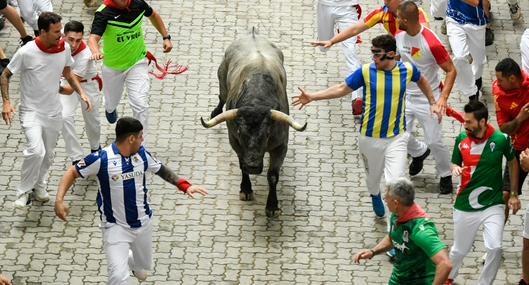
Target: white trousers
91,120
117,241
466,225
41,133
31,9
468,48
136,80
338,18
383,156
524,49
417,107
525,232
438,8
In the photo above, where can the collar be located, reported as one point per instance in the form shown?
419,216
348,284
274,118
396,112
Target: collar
110,3
488,134
414,212
43,48
80,49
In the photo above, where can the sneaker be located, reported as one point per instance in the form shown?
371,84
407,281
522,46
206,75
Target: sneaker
438,18
479,83
449,282
445,185
443,28
357,105
489,37
418,162
474,97
22,201
378,205
391,253
41,195
112,117
140,275
516,15
25,40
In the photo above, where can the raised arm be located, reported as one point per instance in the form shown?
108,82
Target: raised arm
332,92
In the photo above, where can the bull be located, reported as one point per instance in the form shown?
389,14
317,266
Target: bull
252,85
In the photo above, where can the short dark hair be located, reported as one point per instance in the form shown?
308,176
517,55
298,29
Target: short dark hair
409,10
74,26
127,126
46,19
477,108
508,67
385,42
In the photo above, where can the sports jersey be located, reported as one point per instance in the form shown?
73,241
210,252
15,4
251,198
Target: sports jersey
122,195
40,74
339,3
464,13
122,32
508,105
387,18
425,51
416,242
481,180
384,97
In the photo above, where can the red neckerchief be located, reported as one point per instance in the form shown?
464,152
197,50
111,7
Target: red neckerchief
488,134
414,212
167,69
110,3
56,49
79,49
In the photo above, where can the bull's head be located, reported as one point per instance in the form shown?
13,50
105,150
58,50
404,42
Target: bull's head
253,127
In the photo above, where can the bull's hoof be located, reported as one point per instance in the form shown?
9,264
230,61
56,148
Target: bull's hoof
272,213
246,196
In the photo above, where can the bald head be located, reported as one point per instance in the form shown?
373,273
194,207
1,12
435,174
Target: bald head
408,10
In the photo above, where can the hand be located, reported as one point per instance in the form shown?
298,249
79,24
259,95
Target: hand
524,113
325,44
196,189
524,160
167,46
302,99
61,210
7,112
457,170
514,204
442,104
96,56
364,254
86,100
436,110
4,280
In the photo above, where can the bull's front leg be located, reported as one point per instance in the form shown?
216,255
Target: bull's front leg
277,156
246,193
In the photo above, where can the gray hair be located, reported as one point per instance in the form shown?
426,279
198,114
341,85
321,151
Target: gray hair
402,189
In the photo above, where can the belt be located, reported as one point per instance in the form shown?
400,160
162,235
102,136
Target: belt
98,79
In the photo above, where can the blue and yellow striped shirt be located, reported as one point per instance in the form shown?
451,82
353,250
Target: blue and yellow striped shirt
384,97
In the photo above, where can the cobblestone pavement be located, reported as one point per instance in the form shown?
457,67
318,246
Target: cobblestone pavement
326,211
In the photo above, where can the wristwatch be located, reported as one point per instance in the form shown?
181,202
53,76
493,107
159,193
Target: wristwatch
168,37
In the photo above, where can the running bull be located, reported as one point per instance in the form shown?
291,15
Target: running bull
252,83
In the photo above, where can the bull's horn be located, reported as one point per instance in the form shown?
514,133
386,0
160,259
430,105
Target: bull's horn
282,117
224,116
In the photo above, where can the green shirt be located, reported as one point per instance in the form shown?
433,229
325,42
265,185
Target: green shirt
482,178
415,242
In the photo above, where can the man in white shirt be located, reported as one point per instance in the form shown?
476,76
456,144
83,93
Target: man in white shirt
41,63
86,72
419,45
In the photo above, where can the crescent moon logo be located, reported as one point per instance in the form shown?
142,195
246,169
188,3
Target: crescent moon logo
473,197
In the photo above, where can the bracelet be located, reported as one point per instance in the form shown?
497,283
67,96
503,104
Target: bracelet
168,37
373,252
183,185
514,194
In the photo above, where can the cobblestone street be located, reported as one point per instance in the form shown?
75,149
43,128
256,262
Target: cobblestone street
326,213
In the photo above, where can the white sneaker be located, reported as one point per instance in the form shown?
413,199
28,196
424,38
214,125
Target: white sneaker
22,201
140,275
41,195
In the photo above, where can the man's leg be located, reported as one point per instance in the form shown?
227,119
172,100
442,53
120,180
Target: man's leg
466,225
476,46
493,221
51,129
524,49
395,157
465,80
417,149
325,23
116,241
141,249
91,119
138,84
370,150
71,141
438,8
112,90
28,13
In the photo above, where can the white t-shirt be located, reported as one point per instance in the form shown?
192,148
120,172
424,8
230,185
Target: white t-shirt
83,66
339,3
425,51
40,75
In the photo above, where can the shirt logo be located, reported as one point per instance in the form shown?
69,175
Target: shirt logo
464,146
416,53
402,247
115,17
135,159
126,176
81,163
513,105
405,236
492,146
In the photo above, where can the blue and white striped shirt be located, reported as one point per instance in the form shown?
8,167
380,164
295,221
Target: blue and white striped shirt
122,196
